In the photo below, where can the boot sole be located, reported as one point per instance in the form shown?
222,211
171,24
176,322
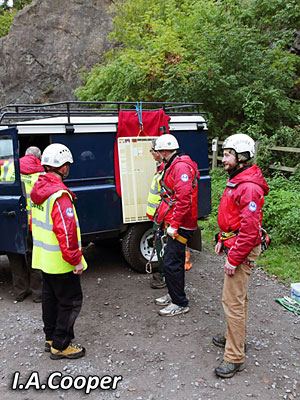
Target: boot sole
174,315
218,343
70,357
230,375
153,286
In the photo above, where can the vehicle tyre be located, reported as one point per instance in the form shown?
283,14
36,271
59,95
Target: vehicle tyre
137,245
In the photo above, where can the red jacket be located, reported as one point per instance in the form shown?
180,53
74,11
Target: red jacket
180,184
241,208
64,223
30,165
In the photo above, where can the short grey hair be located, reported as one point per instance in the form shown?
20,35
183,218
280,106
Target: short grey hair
35,151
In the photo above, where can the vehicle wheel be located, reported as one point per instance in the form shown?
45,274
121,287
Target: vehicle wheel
137,246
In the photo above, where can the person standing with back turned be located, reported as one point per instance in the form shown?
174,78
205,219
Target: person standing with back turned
57,252
239,218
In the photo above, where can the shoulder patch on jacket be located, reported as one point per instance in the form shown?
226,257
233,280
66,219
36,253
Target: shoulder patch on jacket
184,177
252,206
70,212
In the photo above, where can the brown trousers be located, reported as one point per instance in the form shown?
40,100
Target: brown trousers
235,305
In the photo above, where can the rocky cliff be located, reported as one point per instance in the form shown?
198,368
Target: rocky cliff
49,42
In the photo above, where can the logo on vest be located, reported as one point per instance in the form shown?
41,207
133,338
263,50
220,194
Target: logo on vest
184,177
252,206
69,212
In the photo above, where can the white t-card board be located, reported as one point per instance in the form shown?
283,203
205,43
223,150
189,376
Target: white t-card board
137,168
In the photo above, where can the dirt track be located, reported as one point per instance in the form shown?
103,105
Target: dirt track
158,358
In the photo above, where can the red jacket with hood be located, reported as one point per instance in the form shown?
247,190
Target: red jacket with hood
241,208
180,183
64,225
30,165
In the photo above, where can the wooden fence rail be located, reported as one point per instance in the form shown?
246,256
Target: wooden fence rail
215,143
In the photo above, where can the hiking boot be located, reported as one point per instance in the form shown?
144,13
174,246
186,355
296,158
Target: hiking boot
227,369
72,351
158,283
22,297
173,309
163,301
48,344
220,341
37,300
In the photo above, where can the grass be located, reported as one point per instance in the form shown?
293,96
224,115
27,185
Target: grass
281,261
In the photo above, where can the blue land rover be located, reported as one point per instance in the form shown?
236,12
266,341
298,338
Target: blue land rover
89,130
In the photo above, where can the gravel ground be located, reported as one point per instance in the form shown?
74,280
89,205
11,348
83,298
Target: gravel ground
157,357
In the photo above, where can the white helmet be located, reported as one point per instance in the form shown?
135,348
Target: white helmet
240,143
166,142
56,155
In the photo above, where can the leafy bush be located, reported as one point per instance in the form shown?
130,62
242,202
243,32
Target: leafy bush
231,55
282,210
6,20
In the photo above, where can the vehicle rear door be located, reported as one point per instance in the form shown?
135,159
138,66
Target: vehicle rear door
13,215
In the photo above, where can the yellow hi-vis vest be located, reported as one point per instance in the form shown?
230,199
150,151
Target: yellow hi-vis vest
154,193
29,181
7,171
46,254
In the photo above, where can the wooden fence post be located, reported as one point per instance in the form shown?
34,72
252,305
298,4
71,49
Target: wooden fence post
256,151
214,147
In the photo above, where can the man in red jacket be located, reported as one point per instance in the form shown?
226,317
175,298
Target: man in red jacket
177,213
57,252
25,279
239,218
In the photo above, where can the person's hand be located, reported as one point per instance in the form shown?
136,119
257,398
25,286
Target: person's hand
172,232
229,269
218,249
78,269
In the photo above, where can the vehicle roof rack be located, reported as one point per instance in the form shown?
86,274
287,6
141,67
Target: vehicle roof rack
23,112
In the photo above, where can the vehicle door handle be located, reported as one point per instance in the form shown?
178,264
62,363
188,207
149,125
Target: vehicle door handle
9,213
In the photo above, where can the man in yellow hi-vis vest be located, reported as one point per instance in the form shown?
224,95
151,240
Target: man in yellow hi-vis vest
154,198
57,253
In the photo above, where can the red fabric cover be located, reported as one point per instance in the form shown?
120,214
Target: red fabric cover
179,178
64,226
30,165
128,125
241,209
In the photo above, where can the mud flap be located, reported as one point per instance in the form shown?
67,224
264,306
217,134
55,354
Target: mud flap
195,241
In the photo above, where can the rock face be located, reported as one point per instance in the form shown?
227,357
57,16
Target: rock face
49,42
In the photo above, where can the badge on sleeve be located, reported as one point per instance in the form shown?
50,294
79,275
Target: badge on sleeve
184,177
252,206
70,212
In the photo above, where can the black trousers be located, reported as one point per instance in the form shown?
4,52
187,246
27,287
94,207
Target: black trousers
24,277
174,260
62,301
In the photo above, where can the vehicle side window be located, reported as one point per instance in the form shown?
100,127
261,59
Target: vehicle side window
7,167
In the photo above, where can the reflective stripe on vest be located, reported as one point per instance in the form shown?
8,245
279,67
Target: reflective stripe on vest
29,181
154,193
7,171
47,254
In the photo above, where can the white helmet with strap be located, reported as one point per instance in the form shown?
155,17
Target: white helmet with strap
240,143
166,142
56,155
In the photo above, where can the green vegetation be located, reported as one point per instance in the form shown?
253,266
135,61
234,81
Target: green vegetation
281,219
7,14
6,19
232,55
